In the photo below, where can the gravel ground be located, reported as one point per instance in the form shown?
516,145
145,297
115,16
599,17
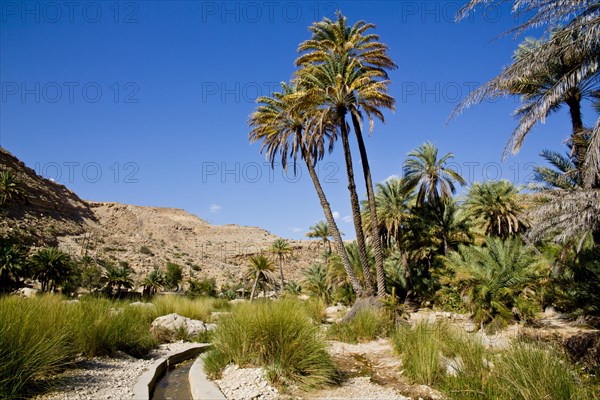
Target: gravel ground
106,377
246,384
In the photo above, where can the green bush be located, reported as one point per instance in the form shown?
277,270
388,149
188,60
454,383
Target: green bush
523,371
368,324
528,372
34,341
277,335
102,327
40,335
420,347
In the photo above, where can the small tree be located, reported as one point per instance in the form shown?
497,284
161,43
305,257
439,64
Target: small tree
13,265
260,269
153,282
281,249
173,276
52,267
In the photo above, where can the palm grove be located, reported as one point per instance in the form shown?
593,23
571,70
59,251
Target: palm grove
496,251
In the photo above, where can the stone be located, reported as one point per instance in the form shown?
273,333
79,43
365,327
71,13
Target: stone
27,292
170,327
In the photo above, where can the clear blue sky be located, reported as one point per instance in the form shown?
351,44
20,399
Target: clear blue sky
146,102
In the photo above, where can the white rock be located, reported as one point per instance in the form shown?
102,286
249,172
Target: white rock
169,326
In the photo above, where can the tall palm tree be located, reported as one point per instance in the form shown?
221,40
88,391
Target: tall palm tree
284,129
433,179
51,267
260,268
496,205
336,41
329,88
281,248
565,64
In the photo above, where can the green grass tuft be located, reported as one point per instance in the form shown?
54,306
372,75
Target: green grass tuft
277,335
368,324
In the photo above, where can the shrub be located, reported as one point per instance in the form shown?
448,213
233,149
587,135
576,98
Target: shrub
173,276
202,287
436,355
497,279
420,347
528,372
276,335
102,327
41,335
368,324
146,250
27,350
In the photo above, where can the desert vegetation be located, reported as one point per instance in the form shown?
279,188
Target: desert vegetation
494,252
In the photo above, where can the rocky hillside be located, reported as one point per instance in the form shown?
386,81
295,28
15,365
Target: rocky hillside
145,237
49,209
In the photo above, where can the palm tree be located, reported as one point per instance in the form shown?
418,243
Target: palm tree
557,71
337,41
293,288
563,175
320,230
496,278
153,282
281,249
329,87
315,282
497,207
392,202
10,188
431,176
260,269
117,277
51,267
283,127
566,215
13,265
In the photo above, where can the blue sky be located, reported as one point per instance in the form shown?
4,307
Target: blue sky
146,102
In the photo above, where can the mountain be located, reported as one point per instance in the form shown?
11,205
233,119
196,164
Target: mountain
145,237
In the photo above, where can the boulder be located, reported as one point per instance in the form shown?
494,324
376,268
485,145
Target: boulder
27,292
173,327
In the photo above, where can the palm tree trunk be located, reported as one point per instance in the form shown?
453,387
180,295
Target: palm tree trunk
578,135
375,237
360,235
254,287
281,272
335,232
